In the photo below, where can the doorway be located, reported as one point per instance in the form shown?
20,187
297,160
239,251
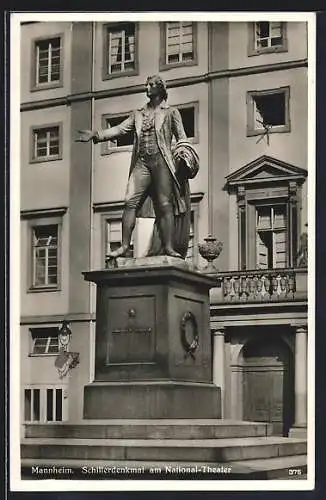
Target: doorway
268,384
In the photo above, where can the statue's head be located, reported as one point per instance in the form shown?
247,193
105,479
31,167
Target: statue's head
156,87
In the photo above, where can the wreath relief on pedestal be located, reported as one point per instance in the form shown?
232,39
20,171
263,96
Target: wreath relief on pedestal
189,334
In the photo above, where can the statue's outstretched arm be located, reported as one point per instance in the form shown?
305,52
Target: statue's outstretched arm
107,134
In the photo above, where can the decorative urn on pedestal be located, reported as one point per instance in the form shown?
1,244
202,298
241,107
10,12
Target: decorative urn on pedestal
210,251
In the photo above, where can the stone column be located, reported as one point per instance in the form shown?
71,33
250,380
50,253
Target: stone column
219,362
300,382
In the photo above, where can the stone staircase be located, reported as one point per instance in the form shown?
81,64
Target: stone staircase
161,449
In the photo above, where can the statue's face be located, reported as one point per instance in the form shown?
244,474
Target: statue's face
152,88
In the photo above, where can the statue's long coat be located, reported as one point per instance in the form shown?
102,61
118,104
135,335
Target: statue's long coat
168,123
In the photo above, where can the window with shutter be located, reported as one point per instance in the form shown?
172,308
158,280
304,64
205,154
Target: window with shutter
120,46
271,239
178,44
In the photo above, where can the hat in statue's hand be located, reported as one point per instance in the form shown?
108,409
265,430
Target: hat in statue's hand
186,157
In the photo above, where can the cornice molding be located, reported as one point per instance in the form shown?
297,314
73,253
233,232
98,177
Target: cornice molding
43,212
104,206
178,82
57,318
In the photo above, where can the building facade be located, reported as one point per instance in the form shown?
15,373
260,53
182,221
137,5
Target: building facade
242,91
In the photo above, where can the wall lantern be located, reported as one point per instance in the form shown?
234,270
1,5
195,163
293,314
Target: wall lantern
66,360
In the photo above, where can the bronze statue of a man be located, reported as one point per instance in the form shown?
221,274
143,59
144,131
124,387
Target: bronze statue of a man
158,178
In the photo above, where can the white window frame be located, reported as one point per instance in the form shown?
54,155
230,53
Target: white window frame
50,333
43,217
195,106
43,402
181,34
36,85
269,38
273,231
34,158
119,29
109,147
46,349
164,52
48,142
49,68
46,249
254,50
252,128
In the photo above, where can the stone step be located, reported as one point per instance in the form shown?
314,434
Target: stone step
271,468
286,467
149,429
215,450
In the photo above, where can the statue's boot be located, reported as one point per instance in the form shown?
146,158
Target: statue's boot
128,224
167,230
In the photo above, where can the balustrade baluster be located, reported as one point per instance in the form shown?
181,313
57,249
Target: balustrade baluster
227,289
243,288
267,285
252,287
274,294
283,286
258,286
236,287
291,286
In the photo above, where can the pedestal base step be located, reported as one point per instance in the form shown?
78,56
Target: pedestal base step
288,467
151,400
201,450
149,429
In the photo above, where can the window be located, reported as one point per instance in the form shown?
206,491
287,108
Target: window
48,63
267,37
189,115
271,227
43,248
45,404
45,255
178,44
113,236
122,143
120,42
32,405
44,341
268,111
46,143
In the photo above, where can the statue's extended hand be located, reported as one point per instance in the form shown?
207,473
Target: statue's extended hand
84,136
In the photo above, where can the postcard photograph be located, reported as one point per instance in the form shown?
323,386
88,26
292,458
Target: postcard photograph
162,196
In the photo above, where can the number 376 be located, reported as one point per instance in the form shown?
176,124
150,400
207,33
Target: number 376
295,472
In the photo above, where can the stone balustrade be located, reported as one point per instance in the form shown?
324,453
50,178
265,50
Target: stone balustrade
261,285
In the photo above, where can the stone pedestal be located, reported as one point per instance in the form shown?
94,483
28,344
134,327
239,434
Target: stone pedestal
153,345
